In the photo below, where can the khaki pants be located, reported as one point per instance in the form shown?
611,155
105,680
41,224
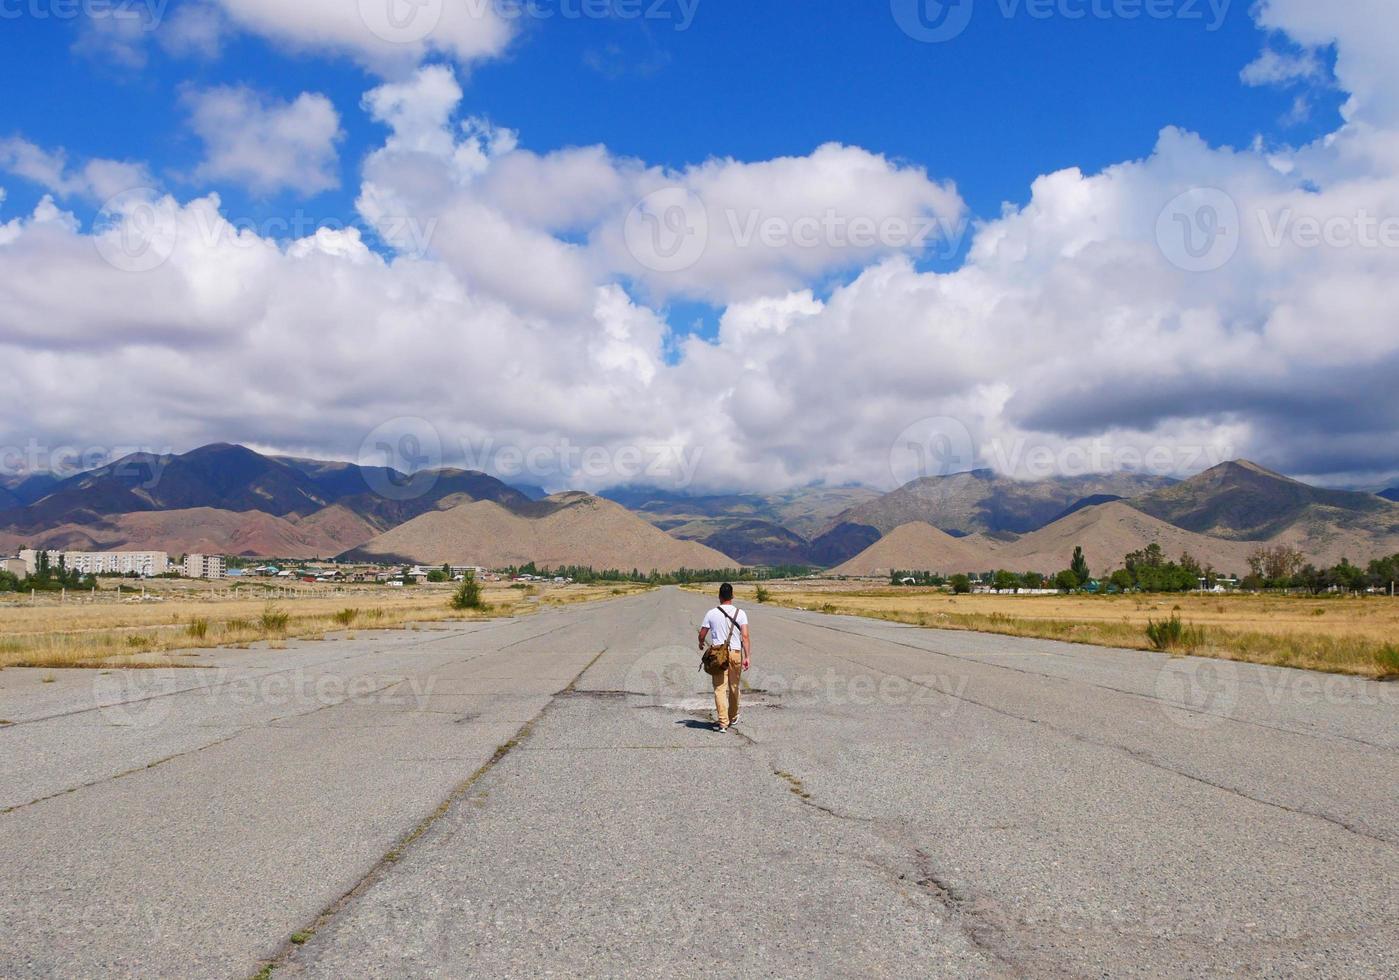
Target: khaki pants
726,689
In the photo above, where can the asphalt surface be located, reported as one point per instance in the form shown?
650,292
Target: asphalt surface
544,795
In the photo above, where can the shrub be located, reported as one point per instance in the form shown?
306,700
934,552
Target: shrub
762,595
961,584
468,595
199,628
1388,656
274,620
347,617
1172,635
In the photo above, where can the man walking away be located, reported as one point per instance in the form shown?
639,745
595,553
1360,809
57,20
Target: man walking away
723,639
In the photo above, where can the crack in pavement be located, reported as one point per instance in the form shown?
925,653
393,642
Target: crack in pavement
241,730
458,794
1135,754
1085,683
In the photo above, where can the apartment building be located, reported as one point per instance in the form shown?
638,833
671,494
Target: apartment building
144,563
205,566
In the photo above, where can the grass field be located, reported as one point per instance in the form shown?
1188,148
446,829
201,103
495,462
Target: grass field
1358,636
99,631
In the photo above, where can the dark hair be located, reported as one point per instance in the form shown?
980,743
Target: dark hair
726,593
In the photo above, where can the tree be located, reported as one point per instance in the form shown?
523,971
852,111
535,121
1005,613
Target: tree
961,584
1190,565
468,596
1067,581
1007,582
1033,580
1122,580
1079,567
1276,566
1348,577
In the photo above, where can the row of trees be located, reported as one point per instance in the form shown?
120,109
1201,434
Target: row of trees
1149,570
1071,579
586,574
1284,568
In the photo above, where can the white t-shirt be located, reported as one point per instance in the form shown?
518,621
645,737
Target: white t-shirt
720,627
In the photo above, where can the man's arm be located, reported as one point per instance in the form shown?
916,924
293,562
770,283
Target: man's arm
747,648
703,635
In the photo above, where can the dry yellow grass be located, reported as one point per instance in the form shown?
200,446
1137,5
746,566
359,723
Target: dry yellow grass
105,633
1335,634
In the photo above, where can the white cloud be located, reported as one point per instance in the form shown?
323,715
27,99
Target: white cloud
502,211
389,36
1363,33
265,144
97,179
117,34
1274,67
195,29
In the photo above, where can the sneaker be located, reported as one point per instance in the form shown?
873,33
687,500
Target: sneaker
722,729
735,721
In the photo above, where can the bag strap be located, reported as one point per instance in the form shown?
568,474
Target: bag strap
737,629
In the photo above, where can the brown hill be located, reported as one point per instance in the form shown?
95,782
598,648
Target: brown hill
338,525
202,530
567,529
1109,532
1245,502
987,503
979,502
922,547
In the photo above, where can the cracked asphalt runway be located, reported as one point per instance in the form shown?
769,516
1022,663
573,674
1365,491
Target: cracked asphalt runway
543,795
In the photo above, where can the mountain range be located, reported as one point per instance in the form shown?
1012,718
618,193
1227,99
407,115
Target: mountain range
230,499
1220,517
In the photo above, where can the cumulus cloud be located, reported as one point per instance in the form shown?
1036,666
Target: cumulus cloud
511,219
97,179
1164,313
266,144
388,36
1362,33
1274,67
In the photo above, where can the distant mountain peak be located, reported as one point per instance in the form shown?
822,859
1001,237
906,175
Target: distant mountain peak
1248,466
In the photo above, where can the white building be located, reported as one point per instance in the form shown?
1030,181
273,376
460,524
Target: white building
15,566
144,563
30,557
205,566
